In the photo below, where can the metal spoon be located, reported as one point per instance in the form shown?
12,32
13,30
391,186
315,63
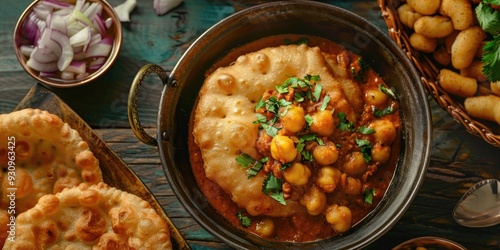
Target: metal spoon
480,206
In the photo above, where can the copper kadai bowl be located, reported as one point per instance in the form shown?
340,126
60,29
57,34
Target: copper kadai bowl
180,91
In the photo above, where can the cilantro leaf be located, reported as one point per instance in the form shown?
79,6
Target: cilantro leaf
317,92
273,187
302,40
387,91
260,118
359,73
326,101
491,59
368,195
270,130
387,111
344,124
245,160
365,148
260,104
366,130
488,18
244,220
309,120
298,97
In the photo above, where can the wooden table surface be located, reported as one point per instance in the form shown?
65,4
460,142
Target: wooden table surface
458,158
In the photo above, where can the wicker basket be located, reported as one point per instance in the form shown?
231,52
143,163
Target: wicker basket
429,70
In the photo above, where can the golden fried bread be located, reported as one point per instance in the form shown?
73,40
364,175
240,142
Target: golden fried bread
91,217
223,122
45,154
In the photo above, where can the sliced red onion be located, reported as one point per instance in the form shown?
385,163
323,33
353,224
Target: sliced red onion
108,22
99,49
79,4
55,4
47,74
43,55
67,51
58,23
42,11
99,24
97,63
67,75
71,39
30,27
81,38
46,42
26,50
77,67
42,67
80,76
93,9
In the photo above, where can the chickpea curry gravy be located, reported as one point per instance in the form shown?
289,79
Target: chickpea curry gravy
294,138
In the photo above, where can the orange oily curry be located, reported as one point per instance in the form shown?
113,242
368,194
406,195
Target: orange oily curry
289,140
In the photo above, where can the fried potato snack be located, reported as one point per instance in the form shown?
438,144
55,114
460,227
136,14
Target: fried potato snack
91,217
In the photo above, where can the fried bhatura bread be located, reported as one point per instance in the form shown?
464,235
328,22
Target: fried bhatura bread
45,154
91,217
223,122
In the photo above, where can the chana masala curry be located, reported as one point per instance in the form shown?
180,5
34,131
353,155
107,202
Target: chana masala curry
294,138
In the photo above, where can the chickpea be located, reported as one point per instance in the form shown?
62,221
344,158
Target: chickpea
297,175
293,120
265,228
326,154
381,153
283,148
323,123
376,97
355,164
385,131
314,200
353,186
328,178
340,217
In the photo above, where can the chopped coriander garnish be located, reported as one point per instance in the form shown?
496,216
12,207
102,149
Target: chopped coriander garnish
387,111
260,118
387,91
285,166
244,220
298,97
314,78
317,92
260,104
270,130
368,195
309,120
344,124
306,155
365,148
366,130
359,75
245,160
254,166
273,187
325,102
302,40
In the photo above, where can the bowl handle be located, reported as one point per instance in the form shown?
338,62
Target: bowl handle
133,114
